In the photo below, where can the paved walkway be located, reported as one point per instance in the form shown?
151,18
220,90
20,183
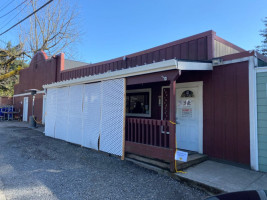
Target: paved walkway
226,177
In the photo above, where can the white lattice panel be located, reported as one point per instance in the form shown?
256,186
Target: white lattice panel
75,114
51,109
62,115
111,137
91,115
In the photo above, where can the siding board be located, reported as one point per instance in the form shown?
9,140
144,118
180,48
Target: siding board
194,49
177,51
226,116
261,81
184,51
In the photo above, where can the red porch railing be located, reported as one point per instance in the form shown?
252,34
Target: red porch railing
149,137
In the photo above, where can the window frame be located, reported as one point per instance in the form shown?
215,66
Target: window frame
149,102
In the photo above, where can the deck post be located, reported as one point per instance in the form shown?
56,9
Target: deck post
172,124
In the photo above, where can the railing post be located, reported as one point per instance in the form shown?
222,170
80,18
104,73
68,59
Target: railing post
172,139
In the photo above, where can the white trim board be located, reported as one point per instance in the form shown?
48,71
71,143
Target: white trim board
253,114
233,61
134,71
261,69
28,93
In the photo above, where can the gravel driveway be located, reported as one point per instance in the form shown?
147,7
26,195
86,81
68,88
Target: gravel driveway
33,166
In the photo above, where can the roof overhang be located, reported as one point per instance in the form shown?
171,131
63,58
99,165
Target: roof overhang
135,71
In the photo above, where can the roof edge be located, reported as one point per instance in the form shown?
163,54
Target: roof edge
180,41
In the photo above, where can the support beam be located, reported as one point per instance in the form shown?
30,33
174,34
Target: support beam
173,121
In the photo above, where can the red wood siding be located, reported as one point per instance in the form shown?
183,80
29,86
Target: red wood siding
6,101
225,111
41,71
191,48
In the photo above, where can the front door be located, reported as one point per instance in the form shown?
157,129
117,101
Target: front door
189,116
25,109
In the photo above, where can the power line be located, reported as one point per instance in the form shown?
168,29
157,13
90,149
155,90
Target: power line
6,5
27,17
13,9
15,15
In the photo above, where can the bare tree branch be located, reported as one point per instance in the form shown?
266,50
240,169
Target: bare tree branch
53,29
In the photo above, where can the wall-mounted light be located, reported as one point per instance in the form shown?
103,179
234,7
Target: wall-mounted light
217,61
164,78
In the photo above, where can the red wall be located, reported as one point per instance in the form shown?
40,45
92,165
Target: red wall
5,101
41,71
197,47
225,111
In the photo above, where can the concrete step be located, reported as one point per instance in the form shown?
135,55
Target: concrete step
150,161
193,159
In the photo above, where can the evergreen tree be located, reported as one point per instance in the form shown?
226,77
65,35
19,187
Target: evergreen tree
10,61
263,47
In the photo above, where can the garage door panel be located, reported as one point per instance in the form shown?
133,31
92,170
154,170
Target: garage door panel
91,115
82,114
75,114
111,139
62,114
51,109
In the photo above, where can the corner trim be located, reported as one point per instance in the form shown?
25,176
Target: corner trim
253,115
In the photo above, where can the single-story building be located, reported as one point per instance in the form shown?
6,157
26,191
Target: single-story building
42,70
194,94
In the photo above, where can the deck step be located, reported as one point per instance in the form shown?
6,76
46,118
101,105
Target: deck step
193,159
149,161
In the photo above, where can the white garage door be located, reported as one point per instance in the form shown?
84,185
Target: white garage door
91,115
62,114
75,114
111,138
51,108
82,114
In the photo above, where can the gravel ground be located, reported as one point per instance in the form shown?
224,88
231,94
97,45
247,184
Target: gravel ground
33,166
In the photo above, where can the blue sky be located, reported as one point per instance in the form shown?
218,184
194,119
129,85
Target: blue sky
113,28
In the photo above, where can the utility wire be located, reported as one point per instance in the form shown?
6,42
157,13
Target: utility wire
15,15
13,9
6,5
26,17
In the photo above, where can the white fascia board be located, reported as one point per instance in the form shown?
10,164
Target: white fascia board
261,69
22,94
28,93
183,65
134,71
233,61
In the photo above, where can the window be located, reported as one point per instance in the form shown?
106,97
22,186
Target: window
187,93
138,103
